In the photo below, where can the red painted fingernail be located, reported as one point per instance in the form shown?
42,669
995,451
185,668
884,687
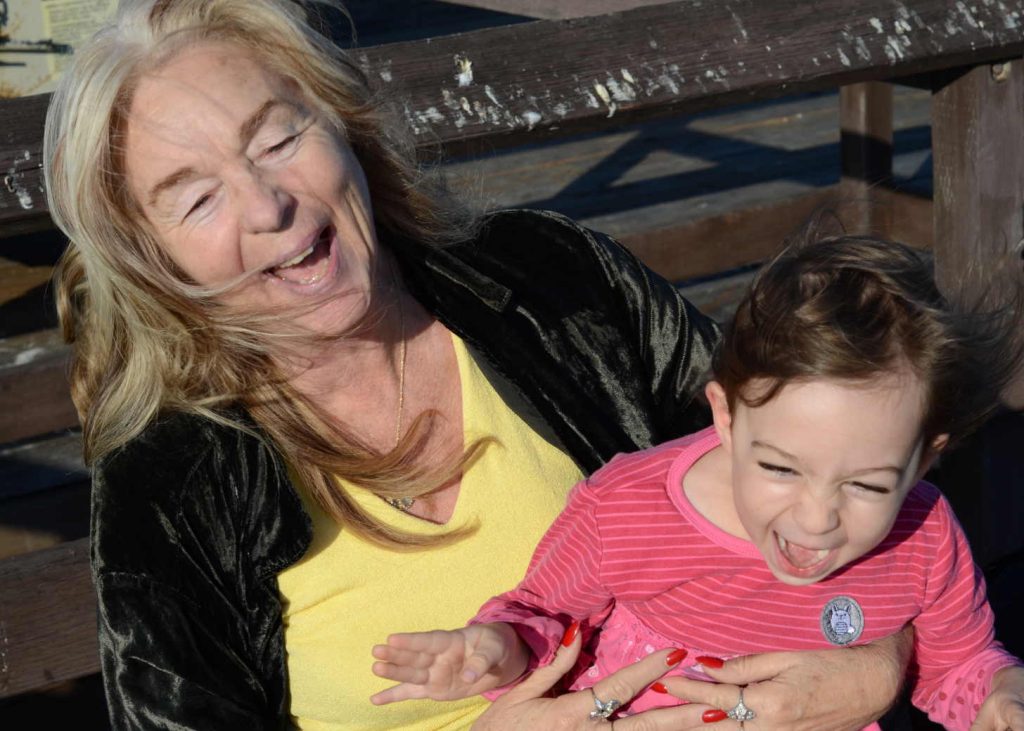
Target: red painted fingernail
570,634
711,662
659,688
713,716
675,657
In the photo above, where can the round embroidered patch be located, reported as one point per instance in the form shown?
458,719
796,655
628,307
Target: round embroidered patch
842,620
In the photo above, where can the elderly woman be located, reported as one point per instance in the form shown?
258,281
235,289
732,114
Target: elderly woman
323,402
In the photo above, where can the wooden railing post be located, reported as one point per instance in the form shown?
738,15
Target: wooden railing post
978,154
865,121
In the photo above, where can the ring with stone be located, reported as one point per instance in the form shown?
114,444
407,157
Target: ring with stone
603,709
740,712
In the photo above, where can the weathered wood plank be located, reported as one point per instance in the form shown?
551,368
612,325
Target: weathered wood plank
978,148
34,395
501,85
47,618
677,58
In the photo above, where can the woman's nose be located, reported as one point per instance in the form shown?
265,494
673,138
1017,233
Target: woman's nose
265,204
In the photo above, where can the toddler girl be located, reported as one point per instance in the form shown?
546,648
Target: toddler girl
797,521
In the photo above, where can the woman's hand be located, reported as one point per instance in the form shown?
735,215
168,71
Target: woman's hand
1003,710
527,707
842,689
448,665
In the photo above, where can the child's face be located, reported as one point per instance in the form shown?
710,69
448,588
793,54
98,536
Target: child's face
820,471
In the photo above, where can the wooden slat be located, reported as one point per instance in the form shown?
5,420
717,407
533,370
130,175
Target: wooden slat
47,618
34,396
750,235
866,128
978,151
502,85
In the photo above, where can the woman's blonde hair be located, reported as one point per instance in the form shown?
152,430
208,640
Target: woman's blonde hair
145,339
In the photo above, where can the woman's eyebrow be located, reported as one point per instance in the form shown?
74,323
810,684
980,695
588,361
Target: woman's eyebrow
246,131
251,126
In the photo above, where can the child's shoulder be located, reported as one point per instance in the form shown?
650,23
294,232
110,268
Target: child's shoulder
925,512
650,467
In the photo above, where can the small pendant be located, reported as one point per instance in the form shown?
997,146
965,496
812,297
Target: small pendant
401,503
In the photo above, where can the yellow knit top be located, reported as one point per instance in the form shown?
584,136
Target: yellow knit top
347,595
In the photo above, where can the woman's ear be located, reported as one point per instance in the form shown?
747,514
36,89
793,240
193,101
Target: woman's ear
720,413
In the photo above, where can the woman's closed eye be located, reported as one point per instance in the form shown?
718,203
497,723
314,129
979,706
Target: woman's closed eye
282,145
200,203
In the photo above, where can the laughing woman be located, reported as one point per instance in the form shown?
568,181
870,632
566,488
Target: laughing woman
322,401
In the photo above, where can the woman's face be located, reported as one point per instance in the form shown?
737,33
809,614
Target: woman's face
237,174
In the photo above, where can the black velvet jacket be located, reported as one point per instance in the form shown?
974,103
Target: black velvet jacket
192,521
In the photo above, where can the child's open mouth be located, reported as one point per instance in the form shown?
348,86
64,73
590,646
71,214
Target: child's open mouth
801,561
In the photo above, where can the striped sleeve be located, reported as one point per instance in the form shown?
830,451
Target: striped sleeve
562,584
956,650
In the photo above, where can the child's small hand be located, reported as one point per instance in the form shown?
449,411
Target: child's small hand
447,665
1003,710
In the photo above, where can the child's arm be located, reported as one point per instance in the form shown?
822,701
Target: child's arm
1003,710
448,665
957,655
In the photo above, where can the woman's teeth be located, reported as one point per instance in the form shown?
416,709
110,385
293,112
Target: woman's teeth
295,259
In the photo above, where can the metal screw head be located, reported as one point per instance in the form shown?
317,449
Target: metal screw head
1000,72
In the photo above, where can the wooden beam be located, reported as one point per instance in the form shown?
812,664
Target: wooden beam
557,9
34,396
498,86
47,618
978,152
865,122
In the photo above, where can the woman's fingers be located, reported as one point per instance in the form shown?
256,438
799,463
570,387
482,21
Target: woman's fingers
624,684
745,669
713,696
543,679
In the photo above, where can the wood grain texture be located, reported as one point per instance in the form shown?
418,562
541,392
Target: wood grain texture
47,618
866,148
501,85
978,150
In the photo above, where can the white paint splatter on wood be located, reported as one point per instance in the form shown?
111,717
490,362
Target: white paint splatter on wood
463,71
28,355
532,118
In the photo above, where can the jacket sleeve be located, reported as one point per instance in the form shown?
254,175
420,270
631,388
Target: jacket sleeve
562,584
190,635
955,647
676,342
170,664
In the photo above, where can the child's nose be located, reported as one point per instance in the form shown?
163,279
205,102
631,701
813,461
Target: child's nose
817,515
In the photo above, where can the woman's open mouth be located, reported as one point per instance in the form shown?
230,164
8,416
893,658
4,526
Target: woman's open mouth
311,264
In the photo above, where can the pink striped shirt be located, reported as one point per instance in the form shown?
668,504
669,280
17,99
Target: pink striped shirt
631,556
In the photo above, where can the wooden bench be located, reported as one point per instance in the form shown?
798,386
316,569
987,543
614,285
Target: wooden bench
482,93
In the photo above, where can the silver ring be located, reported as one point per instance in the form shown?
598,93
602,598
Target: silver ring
740,712
603,709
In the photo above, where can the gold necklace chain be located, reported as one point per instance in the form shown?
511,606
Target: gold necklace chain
400,503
